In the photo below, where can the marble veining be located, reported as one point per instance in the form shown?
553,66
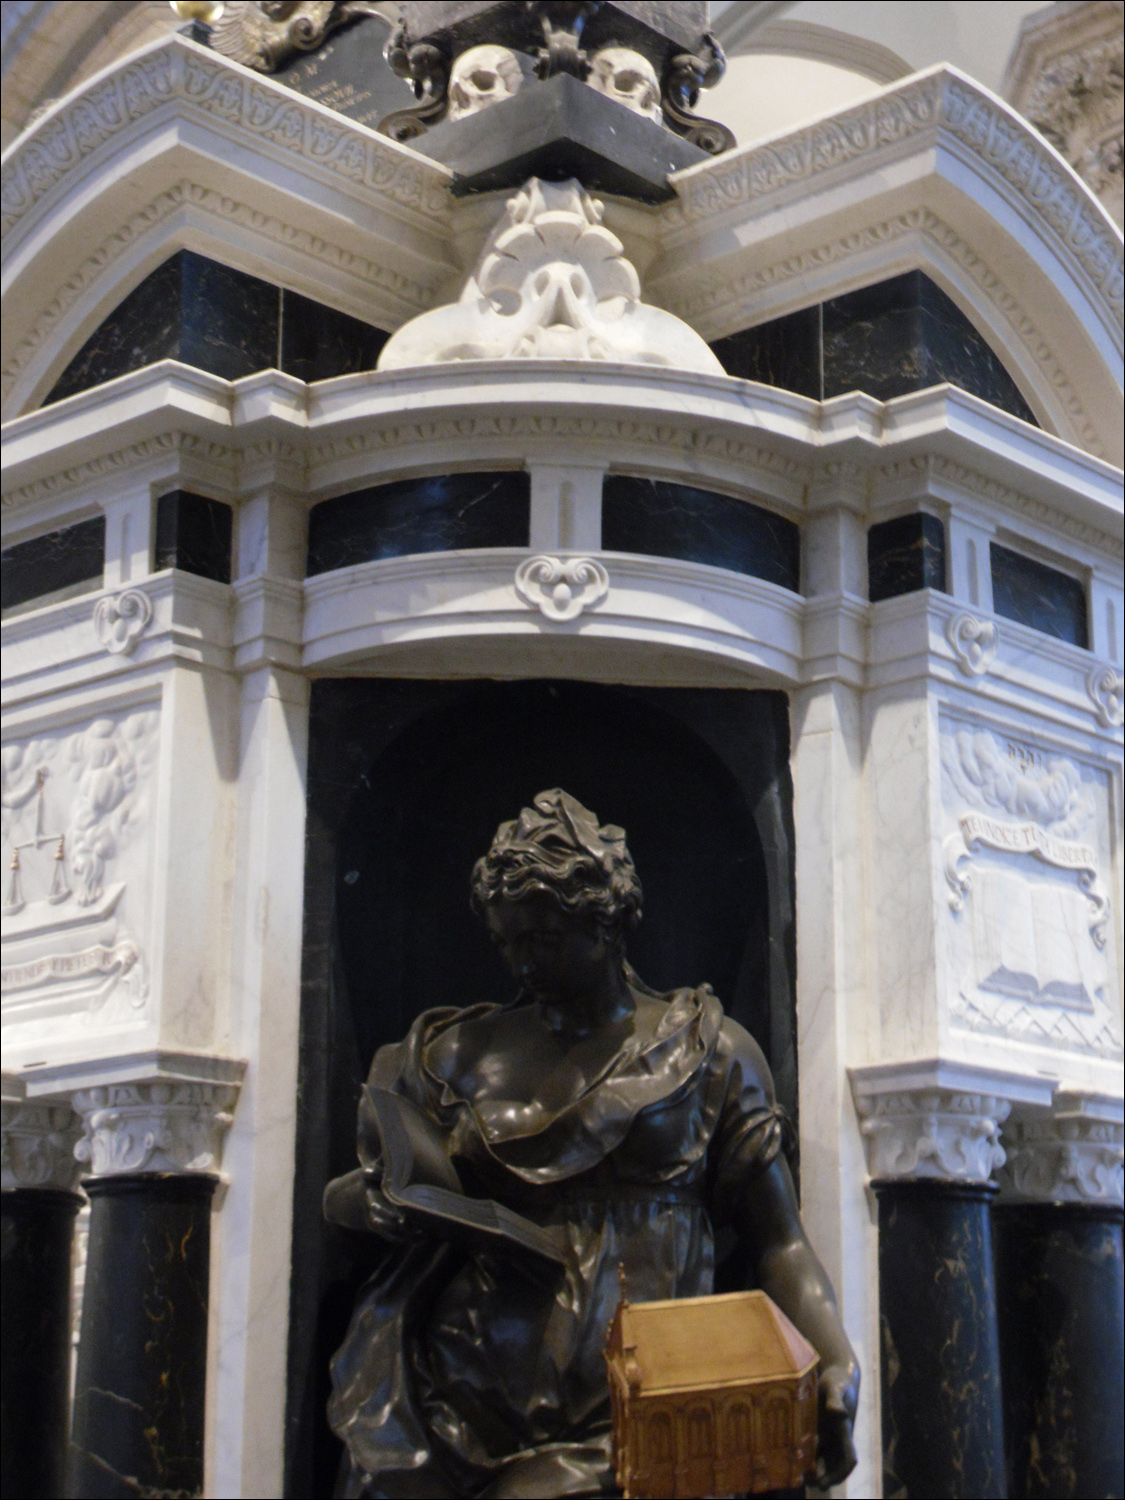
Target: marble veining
193,534
441,513
47,564
1029,591
662,519
897,336
905,554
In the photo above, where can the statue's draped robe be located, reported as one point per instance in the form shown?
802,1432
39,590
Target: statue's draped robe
474,1364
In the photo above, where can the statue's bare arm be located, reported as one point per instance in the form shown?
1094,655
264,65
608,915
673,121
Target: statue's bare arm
787,1269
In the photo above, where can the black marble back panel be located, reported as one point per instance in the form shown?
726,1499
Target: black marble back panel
662,519
193,534
437,514
900,335
58,560
224,321
904,555
1040,596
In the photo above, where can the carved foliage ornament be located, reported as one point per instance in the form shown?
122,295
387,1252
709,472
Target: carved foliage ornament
121,619
163,1126
1067,1159
561,588
1106,687
551,283
37,1146
974,643
264,34
933,1133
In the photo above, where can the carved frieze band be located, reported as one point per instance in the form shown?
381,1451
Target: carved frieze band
38,1141
561,588
933,1132
160,1126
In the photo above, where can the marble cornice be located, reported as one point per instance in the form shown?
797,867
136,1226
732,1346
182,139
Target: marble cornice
941,106
179,74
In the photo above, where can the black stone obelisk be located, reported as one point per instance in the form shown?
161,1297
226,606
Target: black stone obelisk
142,1357
1059,1282
36,1233
942,1417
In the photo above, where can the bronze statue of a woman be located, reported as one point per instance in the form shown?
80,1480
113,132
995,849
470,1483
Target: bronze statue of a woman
515,1156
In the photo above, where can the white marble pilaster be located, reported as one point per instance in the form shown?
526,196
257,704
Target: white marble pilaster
129,526
566,507
968,562
250,1292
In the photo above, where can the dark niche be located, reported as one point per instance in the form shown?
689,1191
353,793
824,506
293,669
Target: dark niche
663,519
889,339
441,513
193,534
49,564
905,555
407,782
221,320
1040,596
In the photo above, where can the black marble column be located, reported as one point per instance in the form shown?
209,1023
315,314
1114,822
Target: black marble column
142,1359
942,1419
1059,1283
36,1233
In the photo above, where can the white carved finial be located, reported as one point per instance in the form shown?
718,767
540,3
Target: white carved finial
1106,687
37,1144
561,588
974,642
165,1125
551,283
121,619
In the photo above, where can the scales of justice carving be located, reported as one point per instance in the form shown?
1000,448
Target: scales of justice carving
70,808
523,1163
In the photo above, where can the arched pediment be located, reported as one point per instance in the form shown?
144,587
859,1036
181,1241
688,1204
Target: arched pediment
937,174
179,148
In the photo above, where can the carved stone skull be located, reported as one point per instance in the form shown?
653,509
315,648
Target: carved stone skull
629,77
486,75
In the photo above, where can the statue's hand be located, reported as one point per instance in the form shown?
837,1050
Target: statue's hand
835,1447
356,1202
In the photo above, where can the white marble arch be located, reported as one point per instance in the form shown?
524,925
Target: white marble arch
178,147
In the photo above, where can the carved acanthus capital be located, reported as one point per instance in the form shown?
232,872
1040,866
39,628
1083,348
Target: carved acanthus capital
933,1132
1075,1154
166,1125
38,1137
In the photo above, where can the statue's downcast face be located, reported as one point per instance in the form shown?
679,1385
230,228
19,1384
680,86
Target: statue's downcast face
555,955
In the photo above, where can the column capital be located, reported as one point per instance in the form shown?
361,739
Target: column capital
154,1125
38,1138
937,1119
1075,1153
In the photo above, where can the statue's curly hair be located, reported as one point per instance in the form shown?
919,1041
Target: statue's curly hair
557,846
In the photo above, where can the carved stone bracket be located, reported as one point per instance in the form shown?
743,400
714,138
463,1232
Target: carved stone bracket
1106,687
1074,1155
561,588
121,619
937,1132
166,1125
37,1148
974,642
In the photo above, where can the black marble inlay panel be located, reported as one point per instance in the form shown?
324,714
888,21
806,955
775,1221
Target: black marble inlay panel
784,352
348,73
58,560
438,514
224,321
319,342
1059,1281
1040,596
904,555
942,1420
35,1241
662,519
900,335
142,1355
193,534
